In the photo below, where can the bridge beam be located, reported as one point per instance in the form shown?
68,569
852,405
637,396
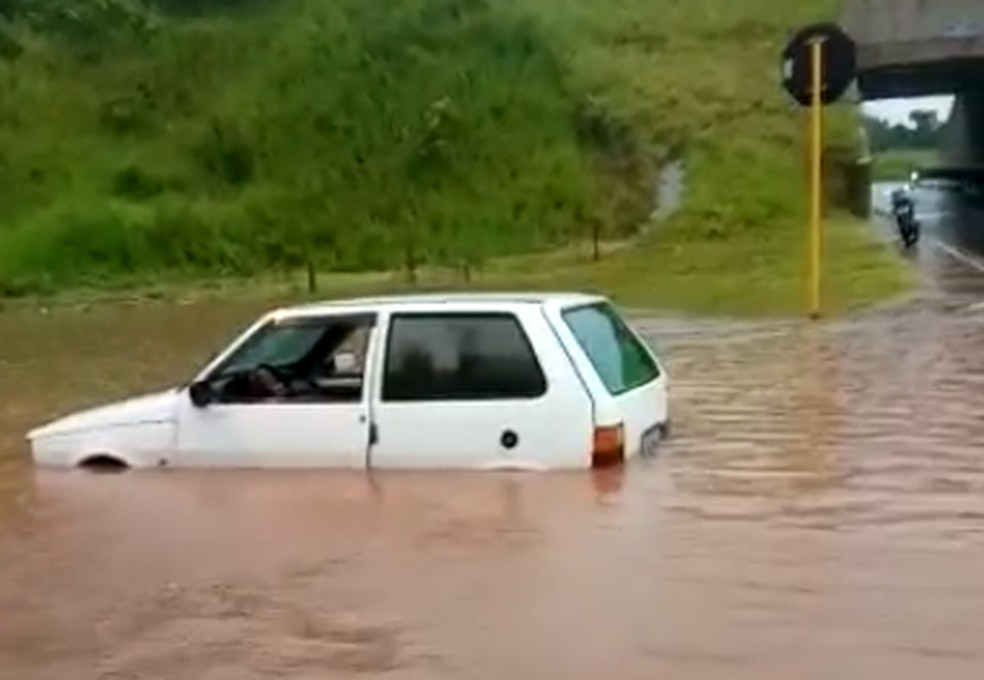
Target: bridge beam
916,47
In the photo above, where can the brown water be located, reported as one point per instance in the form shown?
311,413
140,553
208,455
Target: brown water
819,513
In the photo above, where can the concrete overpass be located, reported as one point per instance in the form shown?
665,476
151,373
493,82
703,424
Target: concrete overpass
909,48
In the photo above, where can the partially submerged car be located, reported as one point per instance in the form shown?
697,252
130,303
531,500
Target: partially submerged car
465,381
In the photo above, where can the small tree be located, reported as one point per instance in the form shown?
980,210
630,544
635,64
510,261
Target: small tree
409,230
471,248
427,166
596,230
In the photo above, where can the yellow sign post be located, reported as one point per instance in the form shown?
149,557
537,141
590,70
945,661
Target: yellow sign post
818,66
816,178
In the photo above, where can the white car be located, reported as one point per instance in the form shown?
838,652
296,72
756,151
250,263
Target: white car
465,381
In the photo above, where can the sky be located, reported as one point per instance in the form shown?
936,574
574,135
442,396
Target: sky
897,110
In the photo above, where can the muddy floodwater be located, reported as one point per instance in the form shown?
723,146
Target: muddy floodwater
818,513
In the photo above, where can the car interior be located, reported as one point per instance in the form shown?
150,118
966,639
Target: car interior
329,370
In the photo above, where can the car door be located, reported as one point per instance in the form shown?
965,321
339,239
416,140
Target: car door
285,433
469,390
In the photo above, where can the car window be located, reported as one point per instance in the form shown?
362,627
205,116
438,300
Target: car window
622,362
310,360
452,357
301,343
276,344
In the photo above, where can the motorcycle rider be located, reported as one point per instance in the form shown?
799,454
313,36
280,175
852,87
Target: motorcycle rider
904,211
901,199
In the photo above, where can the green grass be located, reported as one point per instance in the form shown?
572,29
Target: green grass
140,146
898,164
766,276
735,276
663,273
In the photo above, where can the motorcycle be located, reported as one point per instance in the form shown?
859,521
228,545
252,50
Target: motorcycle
907,224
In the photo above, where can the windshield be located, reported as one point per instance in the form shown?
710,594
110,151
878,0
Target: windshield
622,362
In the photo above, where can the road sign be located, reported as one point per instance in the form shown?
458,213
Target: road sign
818,67
839,63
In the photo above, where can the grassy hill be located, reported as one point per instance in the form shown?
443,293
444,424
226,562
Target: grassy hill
142,139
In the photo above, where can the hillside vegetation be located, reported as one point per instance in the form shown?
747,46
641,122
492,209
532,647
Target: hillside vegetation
146,138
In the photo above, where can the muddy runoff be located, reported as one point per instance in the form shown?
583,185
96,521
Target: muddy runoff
818,513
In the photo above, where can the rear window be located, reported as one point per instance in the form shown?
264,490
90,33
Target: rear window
622,362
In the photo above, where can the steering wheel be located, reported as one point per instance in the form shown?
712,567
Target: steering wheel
270,380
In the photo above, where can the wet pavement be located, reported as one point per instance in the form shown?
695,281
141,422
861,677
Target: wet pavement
818,513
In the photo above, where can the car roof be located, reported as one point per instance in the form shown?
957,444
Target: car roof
459,300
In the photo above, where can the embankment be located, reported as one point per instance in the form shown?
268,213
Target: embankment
146,140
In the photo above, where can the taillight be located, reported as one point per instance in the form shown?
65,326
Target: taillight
609,446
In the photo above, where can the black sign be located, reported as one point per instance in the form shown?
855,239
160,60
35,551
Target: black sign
839,63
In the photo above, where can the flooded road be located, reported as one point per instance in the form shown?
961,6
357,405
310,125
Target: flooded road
819,513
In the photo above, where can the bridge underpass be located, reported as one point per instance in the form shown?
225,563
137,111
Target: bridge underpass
917,48
914,48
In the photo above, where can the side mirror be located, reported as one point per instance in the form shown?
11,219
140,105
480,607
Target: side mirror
201,394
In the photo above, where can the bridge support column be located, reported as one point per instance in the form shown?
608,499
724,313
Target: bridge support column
847,179
963,138
859,178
